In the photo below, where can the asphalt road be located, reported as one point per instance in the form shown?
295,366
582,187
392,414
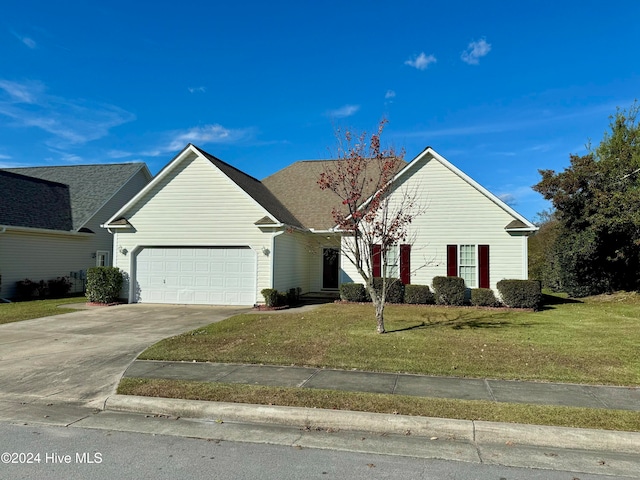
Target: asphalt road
36,452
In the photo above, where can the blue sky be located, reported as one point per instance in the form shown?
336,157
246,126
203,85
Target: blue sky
500,89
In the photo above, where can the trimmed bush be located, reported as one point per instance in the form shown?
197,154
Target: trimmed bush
353,292
483,297
293,296
418,294
520,293
104,284
270,297
395,289
25,289
59,287
449,290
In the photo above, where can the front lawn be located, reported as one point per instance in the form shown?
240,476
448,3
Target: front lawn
594,341
15,312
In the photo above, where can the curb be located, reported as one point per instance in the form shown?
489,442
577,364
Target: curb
477,432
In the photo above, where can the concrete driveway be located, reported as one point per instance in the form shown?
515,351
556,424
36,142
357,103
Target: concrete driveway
80,357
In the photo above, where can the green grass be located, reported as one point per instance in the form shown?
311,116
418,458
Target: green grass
15,312
595,341
378,403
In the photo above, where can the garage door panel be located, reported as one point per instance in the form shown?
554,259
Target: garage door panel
223,276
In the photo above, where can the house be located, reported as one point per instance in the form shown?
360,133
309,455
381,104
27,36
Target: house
50,219
204,232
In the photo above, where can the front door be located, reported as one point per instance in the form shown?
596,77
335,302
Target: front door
330,268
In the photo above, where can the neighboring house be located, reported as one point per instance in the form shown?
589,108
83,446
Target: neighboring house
204,232
50,219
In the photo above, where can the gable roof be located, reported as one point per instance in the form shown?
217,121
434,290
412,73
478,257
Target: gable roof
90,186
296,186
251,186
34,203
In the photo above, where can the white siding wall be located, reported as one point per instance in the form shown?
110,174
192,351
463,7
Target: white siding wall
195,205
41,257
456,213
293,252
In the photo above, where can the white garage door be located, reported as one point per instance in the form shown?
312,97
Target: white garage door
206,276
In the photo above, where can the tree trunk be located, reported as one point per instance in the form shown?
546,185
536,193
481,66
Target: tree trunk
380,317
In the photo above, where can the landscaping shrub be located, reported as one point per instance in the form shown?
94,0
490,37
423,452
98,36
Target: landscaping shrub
353,292
274,298
520,293
418,294
449,290
395,289
59,287
293,296
103,284
25,289
483,297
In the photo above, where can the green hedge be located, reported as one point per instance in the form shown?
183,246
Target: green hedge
418,294
395,289
483,297
449,290
104,284
520,293
353,292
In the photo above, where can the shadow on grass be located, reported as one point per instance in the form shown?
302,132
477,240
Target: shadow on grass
462,322
549,301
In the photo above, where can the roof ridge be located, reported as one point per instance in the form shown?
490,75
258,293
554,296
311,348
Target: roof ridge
79,165
33,179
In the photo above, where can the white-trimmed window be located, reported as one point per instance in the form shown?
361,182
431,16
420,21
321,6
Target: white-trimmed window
102,258
468,265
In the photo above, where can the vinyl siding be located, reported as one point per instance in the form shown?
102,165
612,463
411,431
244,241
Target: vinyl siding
291,261
455,213
39,256
194,205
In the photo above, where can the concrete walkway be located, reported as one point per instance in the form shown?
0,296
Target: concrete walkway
574,395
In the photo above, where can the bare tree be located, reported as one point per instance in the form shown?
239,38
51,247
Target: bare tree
373,211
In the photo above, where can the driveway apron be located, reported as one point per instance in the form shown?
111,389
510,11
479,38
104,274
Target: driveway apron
80,357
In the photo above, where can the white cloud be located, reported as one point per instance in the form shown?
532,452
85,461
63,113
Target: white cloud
421,62
390,94
475,51
207,134
508,198
344,111
28,41
118,154
197,89
69,121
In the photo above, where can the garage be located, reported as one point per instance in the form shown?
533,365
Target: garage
196,275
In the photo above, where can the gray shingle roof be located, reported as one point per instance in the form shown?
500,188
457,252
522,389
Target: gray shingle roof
90,186
33,202
255,189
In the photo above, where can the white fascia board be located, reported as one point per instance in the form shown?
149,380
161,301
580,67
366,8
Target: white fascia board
72,233
158,178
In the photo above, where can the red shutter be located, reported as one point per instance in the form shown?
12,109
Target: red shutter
452,260
405,264
483,263
376,260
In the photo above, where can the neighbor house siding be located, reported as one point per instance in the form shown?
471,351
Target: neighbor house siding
195,205
41,256
455,213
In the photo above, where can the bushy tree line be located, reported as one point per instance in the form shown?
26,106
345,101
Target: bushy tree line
591,242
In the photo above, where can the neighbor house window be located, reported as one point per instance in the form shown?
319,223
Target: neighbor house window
471,262
102,258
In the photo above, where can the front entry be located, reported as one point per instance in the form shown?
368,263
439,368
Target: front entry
330,268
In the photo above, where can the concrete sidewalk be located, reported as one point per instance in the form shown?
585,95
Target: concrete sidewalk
573,395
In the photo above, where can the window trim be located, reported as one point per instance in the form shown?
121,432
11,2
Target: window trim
103,254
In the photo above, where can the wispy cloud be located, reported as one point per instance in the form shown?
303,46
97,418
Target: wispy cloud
4,157
118,154
390,94
475,51
344,111
421,62
28,41
204,135
197,89
508,198
69,121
